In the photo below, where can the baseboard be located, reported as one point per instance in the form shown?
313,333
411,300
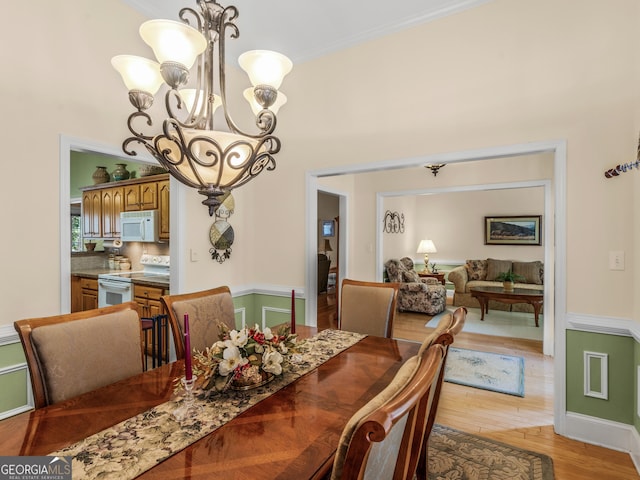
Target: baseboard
605,433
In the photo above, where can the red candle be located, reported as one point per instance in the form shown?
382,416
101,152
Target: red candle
188,370
293,311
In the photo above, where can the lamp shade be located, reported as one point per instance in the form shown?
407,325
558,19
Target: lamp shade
426,246
265,67
257,108
138,73
327,245
173,41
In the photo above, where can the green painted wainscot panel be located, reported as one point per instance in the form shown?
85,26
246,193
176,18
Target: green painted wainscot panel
13,384
277,309
636,384
619,406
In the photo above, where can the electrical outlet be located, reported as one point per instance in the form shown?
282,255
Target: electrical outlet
616,260
194,255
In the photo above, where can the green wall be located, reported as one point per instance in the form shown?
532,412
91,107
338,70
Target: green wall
622,360
83,164
13,385
254,303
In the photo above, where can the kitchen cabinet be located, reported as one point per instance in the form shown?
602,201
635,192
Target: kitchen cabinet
142,196
163,210
92,214
102,205
84,293
112,205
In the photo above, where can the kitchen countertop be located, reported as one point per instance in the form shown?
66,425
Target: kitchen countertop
161,281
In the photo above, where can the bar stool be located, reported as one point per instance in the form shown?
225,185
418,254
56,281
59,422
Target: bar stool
158,326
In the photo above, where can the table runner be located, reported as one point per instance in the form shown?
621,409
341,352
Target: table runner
134,446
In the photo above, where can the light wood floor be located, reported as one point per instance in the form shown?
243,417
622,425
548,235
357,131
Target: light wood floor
523,422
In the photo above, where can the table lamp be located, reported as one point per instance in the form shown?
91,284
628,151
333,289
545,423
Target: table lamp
426,247
327,247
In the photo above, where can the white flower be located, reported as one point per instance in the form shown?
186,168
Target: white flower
268,335
231,359
239,339
283,348
259,348
272,362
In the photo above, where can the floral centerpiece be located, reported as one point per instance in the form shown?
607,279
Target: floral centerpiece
243,358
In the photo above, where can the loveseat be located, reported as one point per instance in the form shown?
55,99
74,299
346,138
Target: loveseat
477,273
415,294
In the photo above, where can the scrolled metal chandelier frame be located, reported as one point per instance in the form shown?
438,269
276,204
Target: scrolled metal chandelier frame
198,156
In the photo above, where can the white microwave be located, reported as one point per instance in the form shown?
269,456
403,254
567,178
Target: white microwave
139,226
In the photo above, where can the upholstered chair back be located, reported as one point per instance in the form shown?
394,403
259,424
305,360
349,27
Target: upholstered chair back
75,353
378,440
368,307
207,310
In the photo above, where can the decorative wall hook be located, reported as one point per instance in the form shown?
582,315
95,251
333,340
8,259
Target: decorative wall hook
624,167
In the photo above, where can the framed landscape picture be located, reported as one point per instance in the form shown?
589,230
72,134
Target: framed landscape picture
513,230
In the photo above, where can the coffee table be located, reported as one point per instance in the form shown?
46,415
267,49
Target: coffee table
517,295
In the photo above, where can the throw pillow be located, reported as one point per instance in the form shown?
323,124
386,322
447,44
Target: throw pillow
410,276
476,269
531,271
496,267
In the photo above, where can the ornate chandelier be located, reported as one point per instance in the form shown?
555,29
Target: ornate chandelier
212,161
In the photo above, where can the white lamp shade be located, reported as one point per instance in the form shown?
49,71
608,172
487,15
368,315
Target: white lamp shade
188,95
265,67
173,41
138,73
257,108
426,246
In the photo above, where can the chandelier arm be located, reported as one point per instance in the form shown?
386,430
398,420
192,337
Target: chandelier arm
186,11
173,93
132,118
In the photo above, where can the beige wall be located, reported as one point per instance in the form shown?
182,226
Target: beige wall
507,72
455,223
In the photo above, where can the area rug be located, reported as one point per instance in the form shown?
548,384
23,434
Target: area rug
458,455
488,371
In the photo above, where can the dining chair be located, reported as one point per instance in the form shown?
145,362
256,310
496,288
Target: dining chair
74,353
445,334
368,307
377,441
206,310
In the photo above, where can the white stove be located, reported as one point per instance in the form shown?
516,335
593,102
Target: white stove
116,287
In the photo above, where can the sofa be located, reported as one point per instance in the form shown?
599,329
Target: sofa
415,294
477,273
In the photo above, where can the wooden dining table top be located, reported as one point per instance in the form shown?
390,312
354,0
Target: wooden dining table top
292,434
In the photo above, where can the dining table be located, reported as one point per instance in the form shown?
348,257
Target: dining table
293,433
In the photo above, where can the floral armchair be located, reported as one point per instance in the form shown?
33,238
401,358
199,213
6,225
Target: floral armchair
424,295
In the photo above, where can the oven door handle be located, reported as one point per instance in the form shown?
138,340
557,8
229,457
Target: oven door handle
124,286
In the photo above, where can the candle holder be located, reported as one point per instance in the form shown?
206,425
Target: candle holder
188,408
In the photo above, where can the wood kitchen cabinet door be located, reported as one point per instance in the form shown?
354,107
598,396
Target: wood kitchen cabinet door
112,205
92,214
163,208
84,294
143,196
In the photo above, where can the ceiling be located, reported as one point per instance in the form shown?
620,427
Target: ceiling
305,29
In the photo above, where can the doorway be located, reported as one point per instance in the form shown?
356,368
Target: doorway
558,216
